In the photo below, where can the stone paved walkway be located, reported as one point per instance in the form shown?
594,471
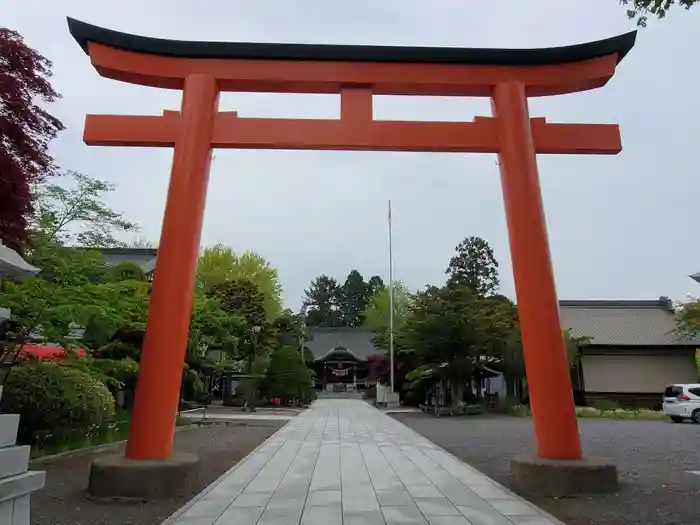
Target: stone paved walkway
344,462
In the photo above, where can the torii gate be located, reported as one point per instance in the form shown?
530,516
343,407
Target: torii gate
203,69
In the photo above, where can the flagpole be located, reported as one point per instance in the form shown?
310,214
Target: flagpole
391,306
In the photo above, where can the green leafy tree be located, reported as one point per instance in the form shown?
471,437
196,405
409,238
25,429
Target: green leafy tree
354,297
474,266
219,264
52,310
77,215
376,316
67,266
322,302
641,10
213,328
454,332
241,297
688,318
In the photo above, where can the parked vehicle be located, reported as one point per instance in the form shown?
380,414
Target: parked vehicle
682,402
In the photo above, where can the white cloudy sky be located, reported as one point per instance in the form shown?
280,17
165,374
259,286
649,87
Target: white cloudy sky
620,227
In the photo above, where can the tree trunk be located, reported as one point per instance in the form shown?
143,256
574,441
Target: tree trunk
250,390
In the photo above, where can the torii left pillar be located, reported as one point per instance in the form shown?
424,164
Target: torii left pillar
151,469
156,403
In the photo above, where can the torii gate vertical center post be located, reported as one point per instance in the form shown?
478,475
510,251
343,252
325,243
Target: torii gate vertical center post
202,69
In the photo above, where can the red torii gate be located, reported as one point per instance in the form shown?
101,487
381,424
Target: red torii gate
203,69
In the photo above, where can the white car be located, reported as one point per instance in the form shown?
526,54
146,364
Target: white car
682,402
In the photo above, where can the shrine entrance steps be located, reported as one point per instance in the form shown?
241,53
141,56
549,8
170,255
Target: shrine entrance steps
340,395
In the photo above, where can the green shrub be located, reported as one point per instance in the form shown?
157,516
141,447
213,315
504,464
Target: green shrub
518,410
588,412
53,399
606,405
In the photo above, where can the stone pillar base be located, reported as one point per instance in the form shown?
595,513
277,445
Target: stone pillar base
115,477
557,477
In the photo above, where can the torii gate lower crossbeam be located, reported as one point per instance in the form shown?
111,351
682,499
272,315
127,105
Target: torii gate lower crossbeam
203,69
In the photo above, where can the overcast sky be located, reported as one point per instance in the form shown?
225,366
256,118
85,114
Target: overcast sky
620,227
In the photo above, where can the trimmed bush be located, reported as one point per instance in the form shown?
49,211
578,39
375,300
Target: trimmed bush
287,376
53,399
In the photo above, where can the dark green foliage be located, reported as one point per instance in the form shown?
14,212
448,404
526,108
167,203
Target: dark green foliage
126,271
374,285
353,297
287,376
117,350
122,373
474,266
192,385
51,398
98,332
323,302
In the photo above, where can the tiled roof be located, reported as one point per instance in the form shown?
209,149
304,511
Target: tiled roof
145,258
356,340
624,323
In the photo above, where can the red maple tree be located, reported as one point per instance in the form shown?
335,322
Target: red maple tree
25,132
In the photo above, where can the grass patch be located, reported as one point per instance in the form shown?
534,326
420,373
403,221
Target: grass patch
598,413
67,440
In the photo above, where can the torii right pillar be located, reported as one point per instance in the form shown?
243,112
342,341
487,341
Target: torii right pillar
559,468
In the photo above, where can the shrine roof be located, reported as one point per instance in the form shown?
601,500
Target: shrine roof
85,33
357,341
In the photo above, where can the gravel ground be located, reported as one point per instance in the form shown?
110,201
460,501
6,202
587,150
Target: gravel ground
62,501
652,459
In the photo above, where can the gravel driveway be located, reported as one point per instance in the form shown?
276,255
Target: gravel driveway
652,457
62,500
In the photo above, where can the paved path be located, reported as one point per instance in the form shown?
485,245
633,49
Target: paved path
344,462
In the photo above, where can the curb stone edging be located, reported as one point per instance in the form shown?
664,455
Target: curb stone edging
97,448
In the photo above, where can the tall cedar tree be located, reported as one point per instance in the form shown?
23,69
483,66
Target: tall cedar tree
475,266
375,285
354,298
322,302
25,132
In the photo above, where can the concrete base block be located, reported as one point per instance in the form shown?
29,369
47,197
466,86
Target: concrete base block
559,477
118,478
